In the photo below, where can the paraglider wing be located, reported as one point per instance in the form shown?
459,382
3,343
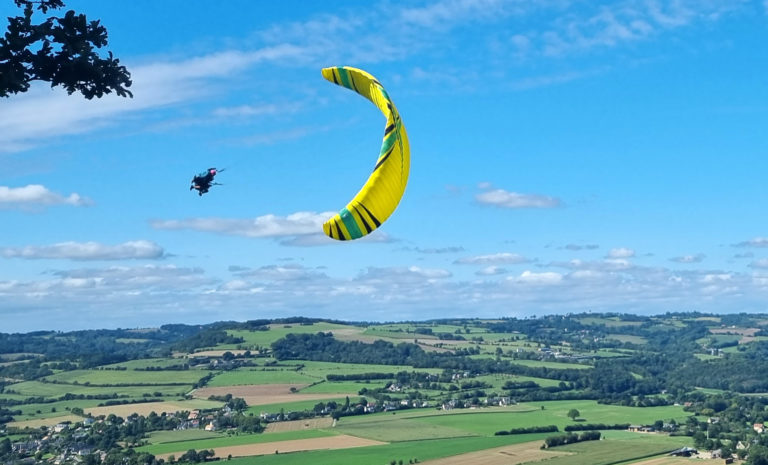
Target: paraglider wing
380,195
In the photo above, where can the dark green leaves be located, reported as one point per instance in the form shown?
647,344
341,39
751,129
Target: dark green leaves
60,50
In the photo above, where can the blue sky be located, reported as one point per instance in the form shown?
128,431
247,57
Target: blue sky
566,156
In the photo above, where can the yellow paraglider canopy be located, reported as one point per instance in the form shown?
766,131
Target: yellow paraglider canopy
380,195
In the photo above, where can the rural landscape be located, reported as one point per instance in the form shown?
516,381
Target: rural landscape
577,389
220,243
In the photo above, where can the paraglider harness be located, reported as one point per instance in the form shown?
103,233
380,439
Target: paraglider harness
203,181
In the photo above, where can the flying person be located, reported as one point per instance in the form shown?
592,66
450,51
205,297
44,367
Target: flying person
203,181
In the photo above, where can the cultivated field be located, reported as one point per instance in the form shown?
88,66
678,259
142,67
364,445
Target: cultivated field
263,394
667,460
277,331
298,425
507,455
399,429
295,445
44,421
145,408
126,377
215,353
739,331
614,451
271,375
37,388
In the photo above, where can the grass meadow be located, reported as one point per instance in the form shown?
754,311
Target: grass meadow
277,331
487,421
379,455
145,363
50,390
612,451
126,377
341,387
298,406
262,376
221,440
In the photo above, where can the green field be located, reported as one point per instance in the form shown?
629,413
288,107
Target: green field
435,327
613,322
303,372
555,365
148,362
605,452
277,331
53,409
628,338
391,428
497,381
126,377
381,455
50,390
159,437
298,406
237,440
341,387
488,421
613,451
396,337
262,376
9,396
325,368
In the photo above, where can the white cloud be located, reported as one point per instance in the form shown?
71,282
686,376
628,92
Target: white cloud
274,137
624,22
282,273
440,14
35,195
434,250
697,258
716,277
400,274
491,271
621,252
295,224
505,199
87,251
162,294
744,255
242,111
762,263
611,264
754,242
587,275
581,247
43,114
368,34
498,258
545,278
546,80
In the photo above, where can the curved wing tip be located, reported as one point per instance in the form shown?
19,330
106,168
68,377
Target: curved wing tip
328,73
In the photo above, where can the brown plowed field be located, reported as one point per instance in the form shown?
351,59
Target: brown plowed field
297,425
143,409
263,394
507,455
294,445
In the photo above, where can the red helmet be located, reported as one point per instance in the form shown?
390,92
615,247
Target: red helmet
213,171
